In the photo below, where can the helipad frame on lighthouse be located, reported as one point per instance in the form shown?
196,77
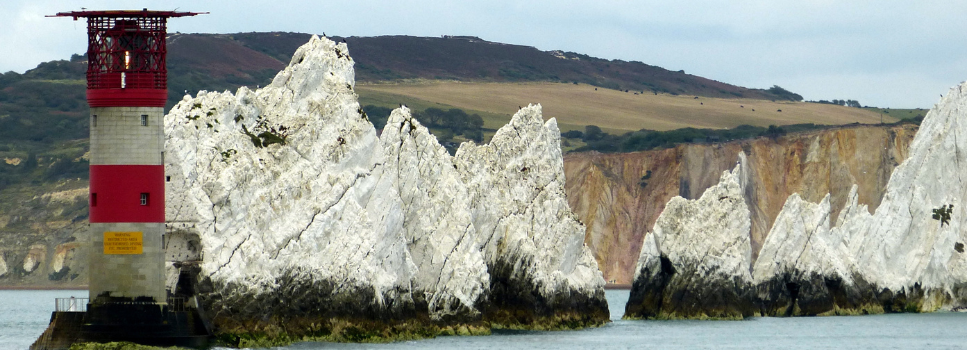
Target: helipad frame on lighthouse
126,90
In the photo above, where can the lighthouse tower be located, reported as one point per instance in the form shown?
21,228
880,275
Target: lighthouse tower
127,90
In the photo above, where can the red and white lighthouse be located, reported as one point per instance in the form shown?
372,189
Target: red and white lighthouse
126,90
127,86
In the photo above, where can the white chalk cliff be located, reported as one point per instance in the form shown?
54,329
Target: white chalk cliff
900,258
304,214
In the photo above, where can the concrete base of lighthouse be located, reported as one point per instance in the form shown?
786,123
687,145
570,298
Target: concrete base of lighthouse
143,323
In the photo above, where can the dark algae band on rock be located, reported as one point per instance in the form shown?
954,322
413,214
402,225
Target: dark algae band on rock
667,294
329,312
902,257
317,312
518,304
341,233
782,296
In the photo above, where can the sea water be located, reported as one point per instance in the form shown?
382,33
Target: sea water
25,314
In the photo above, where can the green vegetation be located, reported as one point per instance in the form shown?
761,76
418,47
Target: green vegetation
914,114
43,137
455,120
942,214
847,103
267,135
444,124
118,346
784,94
367,97
649,139
642,140
449,125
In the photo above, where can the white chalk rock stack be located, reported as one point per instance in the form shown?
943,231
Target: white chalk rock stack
696,262
441,239
531,240
312,226
804,267
285,187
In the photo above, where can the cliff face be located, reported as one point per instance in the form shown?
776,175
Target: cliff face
620,196
43,240
309,225
908,255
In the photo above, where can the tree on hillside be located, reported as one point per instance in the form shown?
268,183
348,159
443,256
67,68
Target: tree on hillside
784,94
476,121
456,120
476,135
774,131
377,115
431,116
574,134
592,133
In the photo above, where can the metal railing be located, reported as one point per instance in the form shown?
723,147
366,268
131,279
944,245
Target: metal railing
177,304
71,304
80,304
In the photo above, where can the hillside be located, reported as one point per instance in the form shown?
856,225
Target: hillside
578,105
394,58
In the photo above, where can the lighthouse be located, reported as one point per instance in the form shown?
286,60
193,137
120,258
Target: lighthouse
126,91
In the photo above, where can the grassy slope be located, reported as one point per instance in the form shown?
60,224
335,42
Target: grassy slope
899,113
576,105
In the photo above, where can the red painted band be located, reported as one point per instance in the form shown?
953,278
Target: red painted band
127,97
116,193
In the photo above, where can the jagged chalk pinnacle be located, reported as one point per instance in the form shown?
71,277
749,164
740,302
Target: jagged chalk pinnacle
293,196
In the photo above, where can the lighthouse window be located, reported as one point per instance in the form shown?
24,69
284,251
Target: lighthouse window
144,199
94,120
93,199
144,120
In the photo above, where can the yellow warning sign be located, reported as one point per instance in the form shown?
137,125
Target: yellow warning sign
123,242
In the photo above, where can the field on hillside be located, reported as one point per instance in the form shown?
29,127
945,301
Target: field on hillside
900,113
576,105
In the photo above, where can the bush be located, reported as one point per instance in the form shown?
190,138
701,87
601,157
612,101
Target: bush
784,94
649,139
592,133
445,136
573,134
475,135
377,115
774,132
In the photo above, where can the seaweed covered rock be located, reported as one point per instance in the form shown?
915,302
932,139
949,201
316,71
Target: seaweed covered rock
804,267
695,263
299,222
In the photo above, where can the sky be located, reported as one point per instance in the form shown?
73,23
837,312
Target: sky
885,53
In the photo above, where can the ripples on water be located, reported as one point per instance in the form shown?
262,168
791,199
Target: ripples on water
24,315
